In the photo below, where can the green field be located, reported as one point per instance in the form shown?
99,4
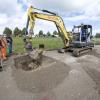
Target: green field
96,41
50,43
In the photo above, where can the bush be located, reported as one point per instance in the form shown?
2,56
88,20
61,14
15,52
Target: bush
97,35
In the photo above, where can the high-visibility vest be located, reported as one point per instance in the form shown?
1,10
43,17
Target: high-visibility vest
4,48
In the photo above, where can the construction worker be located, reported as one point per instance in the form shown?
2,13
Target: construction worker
4,48
10,43
3,51
0,56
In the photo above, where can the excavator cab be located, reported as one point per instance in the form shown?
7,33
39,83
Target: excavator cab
81,39
82,35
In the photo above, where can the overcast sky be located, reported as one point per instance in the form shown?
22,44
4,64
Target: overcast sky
73,12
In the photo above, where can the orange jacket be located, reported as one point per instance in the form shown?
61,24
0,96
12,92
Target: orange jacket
4,48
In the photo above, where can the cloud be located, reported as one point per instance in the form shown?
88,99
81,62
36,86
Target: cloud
3,19
61,4
45,26
13,13
93,9
9,7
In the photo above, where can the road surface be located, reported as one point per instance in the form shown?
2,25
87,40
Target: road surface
61,77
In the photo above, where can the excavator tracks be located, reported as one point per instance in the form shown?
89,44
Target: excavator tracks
80,51
76,52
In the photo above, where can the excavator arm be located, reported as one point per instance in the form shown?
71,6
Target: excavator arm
66,37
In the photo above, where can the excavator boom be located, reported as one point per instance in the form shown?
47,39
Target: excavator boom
66,37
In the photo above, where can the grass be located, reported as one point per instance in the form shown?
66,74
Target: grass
18,45
96,41
50,43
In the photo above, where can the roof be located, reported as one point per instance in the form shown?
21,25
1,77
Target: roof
82,25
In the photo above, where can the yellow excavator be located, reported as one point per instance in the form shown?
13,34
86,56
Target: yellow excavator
77,42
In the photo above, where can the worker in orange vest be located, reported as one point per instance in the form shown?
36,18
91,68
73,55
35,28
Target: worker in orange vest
3,48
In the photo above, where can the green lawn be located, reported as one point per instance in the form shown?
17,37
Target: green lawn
96,41
50,43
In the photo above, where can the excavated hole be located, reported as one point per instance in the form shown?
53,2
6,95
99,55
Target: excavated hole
26,63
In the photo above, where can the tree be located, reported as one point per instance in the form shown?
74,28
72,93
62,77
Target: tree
48,34
17,31
55,33
7,31
40,33
97,35
23,31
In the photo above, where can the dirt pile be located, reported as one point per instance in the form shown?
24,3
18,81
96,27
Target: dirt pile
47,76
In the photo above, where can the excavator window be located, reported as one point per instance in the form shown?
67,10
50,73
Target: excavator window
82,32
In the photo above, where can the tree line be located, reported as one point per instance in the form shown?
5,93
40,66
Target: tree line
97,35
18,33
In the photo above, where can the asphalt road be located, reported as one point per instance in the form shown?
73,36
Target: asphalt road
61,77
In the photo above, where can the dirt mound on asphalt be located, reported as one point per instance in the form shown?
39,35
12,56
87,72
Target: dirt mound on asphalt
47,76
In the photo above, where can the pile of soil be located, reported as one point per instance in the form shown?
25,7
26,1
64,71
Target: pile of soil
46,77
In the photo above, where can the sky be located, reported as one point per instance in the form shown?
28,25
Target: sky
13,13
